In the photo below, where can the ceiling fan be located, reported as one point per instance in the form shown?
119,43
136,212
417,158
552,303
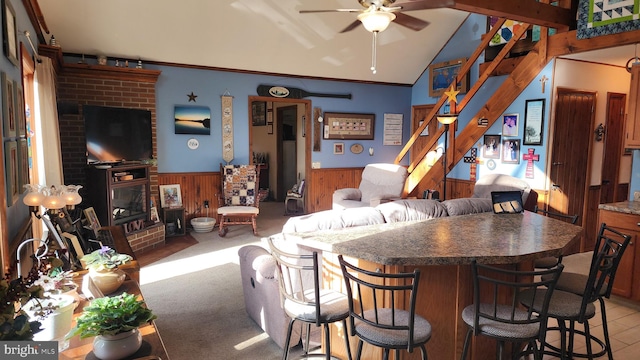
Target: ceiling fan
376,15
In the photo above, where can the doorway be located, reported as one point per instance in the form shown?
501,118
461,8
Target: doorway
287,124
571,153
283,140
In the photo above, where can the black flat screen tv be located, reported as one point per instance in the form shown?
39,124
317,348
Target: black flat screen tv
116,135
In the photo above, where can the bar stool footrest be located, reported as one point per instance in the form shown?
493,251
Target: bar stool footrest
555,351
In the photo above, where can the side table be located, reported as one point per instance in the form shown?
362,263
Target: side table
174,221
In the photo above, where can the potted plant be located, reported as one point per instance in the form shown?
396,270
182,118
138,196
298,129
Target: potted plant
103,268
15,323
114,321
56,281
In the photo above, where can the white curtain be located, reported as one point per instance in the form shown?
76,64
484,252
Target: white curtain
47,130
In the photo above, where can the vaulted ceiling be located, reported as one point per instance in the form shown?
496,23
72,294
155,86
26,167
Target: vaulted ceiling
259,35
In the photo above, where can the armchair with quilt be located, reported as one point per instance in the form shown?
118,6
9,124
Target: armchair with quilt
379,182
239,198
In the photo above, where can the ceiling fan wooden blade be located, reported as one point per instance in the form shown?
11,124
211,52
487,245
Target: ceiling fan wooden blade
333,10
424,4
410,22
351,26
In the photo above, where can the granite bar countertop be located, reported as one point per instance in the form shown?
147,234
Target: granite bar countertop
627,207
452,240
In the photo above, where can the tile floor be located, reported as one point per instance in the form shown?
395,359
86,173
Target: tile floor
623,318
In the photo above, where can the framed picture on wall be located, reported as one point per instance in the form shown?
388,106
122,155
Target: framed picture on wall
442,75
510,151
259,113
510,125
349,126
194,120
8,106
12,177
533,122
338,148
9,32
491,147
170,195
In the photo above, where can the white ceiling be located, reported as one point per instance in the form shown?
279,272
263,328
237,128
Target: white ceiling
260,35
257,35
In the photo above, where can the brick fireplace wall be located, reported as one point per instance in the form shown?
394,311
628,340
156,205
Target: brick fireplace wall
81,84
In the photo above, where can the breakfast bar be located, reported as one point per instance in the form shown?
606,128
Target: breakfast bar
442,248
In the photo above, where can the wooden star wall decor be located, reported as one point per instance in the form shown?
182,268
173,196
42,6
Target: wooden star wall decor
192,97
451,94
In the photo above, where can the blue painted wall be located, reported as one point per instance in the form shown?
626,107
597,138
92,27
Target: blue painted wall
461,45
175,83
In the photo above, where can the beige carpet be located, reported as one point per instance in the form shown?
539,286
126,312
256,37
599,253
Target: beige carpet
197,295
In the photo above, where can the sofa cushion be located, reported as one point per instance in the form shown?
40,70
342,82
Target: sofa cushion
500,182
382,181
465,206
411,209
333,219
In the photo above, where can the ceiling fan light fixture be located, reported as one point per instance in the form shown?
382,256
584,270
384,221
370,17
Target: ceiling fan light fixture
376,21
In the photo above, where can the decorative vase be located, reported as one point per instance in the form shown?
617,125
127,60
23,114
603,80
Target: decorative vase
57,324
108,280
119,346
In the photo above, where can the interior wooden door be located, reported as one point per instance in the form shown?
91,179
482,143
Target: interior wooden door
570,153
613,138
418,115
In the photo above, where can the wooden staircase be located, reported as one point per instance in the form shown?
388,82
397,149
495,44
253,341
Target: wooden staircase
528,68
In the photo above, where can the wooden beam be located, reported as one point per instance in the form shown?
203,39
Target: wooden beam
528,11
567,43
36,18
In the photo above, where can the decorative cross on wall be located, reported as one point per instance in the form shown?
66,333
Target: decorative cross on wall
543,81
530,158
473,160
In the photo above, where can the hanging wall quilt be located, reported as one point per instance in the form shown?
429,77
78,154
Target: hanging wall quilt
227,128
605,17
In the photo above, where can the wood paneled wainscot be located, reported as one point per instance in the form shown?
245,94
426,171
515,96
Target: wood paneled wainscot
625,217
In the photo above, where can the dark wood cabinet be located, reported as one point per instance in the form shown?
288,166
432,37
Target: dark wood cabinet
632,138
174,221
627,281
119,194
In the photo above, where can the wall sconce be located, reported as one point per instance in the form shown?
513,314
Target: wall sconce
599,132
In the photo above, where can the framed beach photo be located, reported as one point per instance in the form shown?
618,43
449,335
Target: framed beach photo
510,125
194,120
170,195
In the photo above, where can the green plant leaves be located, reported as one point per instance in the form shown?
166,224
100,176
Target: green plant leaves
112,315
